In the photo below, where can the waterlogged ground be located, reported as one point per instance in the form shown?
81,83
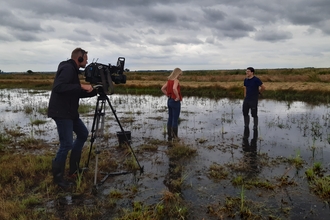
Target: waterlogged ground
214,128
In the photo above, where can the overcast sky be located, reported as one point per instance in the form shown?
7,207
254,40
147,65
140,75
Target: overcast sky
164,34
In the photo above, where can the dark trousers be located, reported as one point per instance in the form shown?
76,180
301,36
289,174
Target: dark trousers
65,129
174,108
253,105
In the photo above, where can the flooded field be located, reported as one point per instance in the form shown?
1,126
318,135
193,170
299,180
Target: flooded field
264,171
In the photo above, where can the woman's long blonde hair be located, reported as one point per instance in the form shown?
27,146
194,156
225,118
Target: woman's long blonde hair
176,72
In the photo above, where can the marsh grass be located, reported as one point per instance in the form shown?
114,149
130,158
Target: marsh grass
180,150
4,140
241,208
297,160
217,172
27,185
171,206
85,108
318,182
37,122
20,188
148,147
308,84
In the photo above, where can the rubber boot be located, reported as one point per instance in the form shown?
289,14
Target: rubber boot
169,133
255,123
175,133
74,165
246,121
58,173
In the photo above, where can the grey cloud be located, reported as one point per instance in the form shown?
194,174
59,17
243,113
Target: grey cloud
272,35
174,40
213,15
11,21
25,36
233,28
159,26
160,16
119,39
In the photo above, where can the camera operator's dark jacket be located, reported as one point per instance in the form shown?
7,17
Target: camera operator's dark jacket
66,92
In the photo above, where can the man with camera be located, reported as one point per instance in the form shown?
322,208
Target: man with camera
63,109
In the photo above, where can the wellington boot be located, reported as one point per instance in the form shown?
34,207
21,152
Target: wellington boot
246,121
175,133
58,173
74,164
169,133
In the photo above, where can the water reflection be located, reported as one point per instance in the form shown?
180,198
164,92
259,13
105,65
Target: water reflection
283,130
250,155
173,178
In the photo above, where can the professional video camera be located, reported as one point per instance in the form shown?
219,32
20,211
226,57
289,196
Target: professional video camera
105,75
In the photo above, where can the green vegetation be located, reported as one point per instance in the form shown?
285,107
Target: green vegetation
309,84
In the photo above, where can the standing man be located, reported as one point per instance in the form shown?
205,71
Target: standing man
253,87
63,109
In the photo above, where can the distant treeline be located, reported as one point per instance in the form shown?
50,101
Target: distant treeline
279,71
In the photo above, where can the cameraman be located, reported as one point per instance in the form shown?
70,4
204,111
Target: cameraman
63,109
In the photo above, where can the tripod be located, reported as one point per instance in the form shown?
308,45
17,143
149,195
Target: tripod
97,132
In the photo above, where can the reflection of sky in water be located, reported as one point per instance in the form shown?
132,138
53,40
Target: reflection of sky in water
284,128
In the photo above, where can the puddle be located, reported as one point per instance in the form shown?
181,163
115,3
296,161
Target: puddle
215,129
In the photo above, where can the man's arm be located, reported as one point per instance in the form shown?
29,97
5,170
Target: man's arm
262,88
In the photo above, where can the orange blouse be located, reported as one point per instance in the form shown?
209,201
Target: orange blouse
169,90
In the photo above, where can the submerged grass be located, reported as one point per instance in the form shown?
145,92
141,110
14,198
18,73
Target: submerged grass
318,182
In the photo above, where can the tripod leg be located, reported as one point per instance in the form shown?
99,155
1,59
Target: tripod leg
95,121
99,133
96,164
122,130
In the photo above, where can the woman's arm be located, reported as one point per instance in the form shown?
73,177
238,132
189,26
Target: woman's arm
175,89
164,89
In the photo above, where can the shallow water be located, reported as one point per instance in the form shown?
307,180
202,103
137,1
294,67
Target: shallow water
215,129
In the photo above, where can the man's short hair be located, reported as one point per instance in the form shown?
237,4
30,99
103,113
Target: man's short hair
251,69
78,52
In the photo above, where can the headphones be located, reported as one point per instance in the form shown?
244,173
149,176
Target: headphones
81,58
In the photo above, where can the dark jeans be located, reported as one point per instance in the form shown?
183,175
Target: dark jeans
65,129
174,108
253,105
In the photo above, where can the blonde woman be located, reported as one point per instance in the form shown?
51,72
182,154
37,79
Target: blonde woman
172,90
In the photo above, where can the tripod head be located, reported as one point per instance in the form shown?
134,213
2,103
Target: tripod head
100,91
